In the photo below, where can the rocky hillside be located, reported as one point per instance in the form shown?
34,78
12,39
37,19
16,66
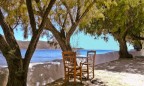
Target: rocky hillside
40,45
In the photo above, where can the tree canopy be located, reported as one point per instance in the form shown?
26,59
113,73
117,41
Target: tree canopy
59,17
121,18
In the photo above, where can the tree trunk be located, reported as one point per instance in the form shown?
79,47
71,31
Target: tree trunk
123,52
16,79
62,40
17,75
65,46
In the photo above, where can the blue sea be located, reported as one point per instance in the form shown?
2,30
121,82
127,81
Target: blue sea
44,55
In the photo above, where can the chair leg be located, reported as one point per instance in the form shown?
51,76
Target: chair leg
81,75
93,72
65,77
68,75
74,77
87,72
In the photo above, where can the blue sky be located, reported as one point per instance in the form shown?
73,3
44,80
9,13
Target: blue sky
88,42
82,40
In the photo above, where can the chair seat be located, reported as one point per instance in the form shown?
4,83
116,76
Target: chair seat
72,67
85,70
77,73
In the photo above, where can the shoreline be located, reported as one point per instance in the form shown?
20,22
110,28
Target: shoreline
133,52
3,62
101,56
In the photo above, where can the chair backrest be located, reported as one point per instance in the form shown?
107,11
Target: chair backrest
69,58
91,55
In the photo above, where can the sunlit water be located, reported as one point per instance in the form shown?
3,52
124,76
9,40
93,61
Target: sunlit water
43,55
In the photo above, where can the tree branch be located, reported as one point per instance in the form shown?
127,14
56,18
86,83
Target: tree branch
68,10
73,28
56,33
35,37
4,47
135,37
50,26
63,25
9,35
59,16
8,53
48,9
78,10
31,15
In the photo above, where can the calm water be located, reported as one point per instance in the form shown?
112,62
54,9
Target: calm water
42,55
52,54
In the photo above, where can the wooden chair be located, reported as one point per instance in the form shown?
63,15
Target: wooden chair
71,69
89,64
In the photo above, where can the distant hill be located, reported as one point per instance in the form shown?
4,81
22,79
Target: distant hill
40,45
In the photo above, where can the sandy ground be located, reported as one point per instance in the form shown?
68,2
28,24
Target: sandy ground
122,72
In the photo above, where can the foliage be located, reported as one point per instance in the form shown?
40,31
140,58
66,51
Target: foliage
15,13
66,12
120,17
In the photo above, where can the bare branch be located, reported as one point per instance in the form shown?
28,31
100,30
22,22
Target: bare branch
78,10
50,26
16,24
31,15
48,9
59,16
55,32
68,10
73,28
63,25
17,20
59,20
4,47
9,35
